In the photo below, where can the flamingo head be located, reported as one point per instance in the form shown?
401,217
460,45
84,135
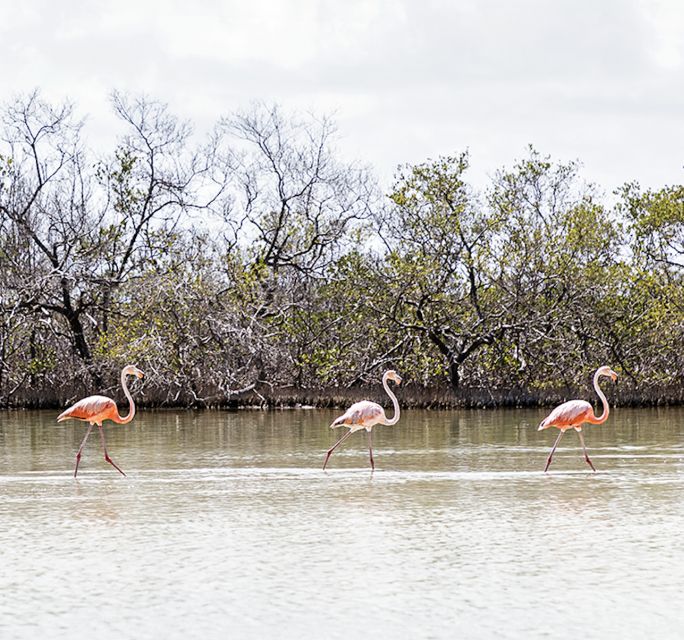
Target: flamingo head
393,375
607,371
132,370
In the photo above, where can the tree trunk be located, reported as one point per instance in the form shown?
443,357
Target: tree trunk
454,374
81,347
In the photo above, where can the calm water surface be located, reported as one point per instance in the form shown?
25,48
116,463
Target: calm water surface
226,527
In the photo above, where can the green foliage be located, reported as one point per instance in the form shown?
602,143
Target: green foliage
294,272
657,222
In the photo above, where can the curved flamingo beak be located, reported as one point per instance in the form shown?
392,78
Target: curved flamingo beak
398,379
613,375
139,373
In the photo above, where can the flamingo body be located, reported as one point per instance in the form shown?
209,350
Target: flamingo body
96,409
574,413
364,415
569,415
93,409
361,415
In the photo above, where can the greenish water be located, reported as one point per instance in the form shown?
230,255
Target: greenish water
226,526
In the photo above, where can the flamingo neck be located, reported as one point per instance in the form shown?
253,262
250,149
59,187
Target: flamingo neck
131,404
395,403
606,409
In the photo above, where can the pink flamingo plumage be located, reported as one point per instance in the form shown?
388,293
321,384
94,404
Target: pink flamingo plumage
96,409
573,414
364,415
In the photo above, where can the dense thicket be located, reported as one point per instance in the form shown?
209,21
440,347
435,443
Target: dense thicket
259,265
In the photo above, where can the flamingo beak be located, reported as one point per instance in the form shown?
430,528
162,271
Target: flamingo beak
139,373
398,380
613,375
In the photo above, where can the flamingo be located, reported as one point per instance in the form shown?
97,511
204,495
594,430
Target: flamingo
96,409
364,415
574,413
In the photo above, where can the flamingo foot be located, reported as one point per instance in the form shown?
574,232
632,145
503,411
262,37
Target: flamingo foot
108,459
553,450
590,463
337,444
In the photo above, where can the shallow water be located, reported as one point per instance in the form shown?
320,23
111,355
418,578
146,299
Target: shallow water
226,526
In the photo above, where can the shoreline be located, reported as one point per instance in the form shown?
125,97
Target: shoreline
410,397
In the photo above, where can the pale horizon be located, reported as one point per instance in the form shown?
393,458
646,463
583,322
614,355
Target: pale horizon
596,83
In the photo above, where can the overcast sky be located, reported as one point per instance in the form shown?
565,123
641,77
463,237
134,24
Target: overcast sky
597,80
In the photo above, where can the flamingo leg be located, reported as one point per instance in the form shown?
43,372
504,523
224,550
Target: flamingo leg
370,449
80,449
586,455
555,444
106,455
337,444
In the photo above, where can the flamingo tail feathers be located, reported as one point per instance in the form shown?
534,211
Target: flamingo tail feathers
65,415
340,422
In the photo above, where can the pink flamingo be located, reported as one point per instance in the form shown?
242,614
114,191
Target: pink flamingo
572,414
365,414
95,409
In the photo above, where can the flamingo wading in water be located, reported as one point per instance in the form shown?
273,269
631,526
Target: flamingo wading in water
364,415
96,409
573,414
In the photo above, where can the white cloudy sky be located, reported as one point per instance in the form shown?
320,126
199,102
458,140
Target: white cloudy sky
598,80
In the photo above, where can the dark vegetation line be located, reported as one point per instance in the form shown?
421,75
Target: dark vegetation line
256,267
412,397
